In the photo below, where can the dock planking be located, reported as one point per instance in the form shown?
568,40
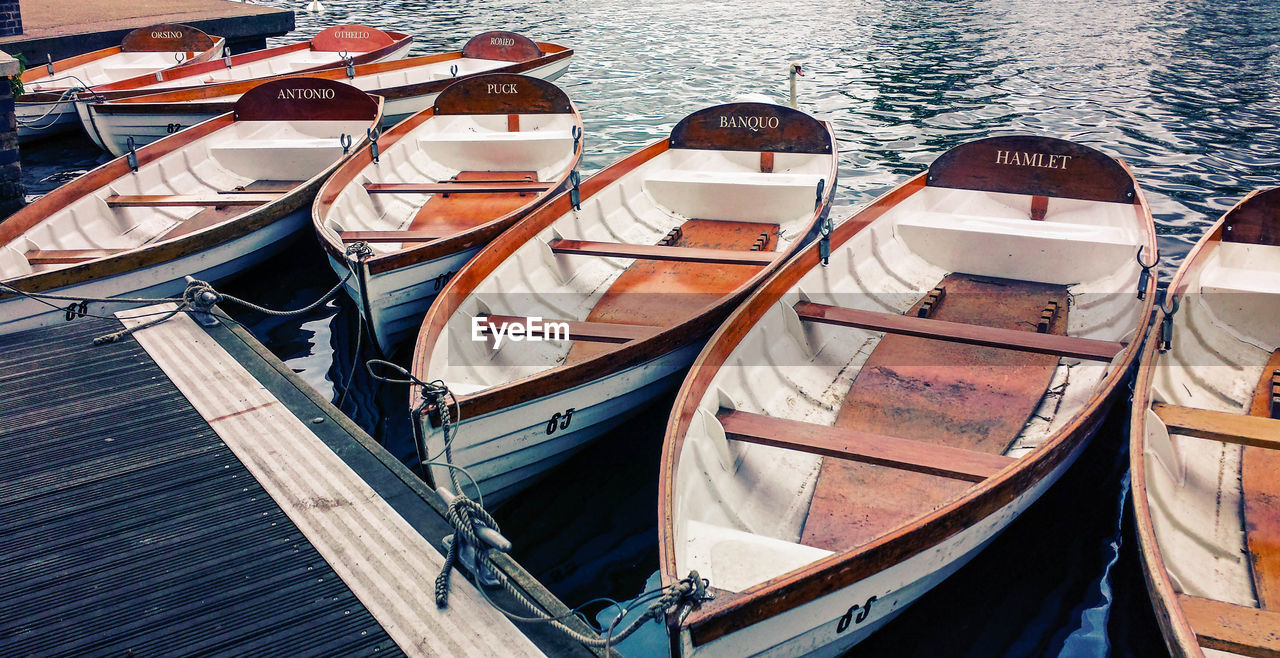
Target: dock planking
121,493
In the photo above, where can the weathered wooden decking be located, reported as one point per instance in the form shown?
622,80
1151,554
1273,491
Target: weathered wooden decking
182,492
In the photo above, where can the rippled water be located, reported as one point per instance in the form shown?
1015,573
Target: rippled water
1184,91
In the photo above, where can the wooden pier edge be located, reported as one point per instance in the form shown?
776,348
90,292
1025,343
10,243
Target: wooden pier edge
304,401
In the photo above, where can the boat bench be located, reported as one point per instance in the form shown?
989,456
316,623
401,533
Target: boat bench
1017,248
741,196
662,252
452,187
526,149
210,199
1241,283
293,158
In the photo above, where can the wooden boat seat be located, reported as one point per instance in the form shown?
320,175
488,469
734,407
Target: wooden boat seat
855,445
1010,339
66,256
263,158
740,195
663,293
453,213
659,252
1228,627
161,200
454,187
597,332
958,395
1043,250
1220,426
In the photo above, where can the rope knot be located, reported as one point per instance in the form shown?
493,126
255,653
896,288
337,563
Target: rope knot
476,537
359,251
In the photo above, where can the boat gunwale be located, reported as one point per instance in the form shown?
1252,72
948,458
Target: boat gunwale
1179,637
136,85
626,355
428,250
49,95
735,611
152,254
162,102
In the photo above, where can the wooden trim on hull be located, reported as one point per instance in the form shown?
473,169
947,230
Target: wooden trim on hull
809,583
957,332
844,443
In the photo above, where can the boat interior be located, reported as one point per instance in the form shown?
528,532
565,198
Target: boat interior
1212,433
450,172
646,252
141,52
883,386
225,173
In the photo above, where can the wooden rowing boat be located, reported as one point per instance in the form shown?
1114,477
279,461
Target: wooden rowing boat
206,203
447,181
335,47
856,432
665,243
407,86
1205,434
46,106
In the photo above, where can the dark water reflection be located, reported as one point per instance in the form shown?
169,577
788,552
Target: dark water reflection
1184,91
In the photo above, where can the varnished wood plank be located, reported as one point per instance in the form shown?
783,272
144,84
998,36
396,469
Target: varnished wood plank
65,256
658,252
1220,426
1260,493
961,396
1011,339
596,332
854,445
392,236
454,187
163,200
1028,164
1229,627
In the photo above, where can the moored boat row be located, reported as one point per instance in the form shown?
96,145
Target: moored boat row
871,401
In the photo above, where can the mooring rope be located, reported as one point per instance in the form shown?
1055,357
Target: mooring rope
63,98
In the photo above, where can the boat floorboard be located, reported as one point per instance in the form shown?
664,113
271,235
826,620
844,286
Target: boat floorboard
958,395
1261,492
450,211
659,293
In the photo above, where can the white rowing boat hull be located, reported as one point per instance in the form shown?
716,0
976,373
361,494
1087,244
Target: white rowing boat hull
112,131
816,628
506,449
165,279
46,119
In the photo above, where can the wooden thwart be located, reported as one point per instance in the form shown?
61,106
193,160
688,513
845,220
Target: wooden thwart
854,445
596,332
1220,426
1229,627
450,187
147,200
958,332
65,256
659,252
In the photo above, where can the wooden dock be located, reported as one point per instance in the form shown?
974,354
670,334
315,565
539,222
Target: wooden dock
182,491
60,29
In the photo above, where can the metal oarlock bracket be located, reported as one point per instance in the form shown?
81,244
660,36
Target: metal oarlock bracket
575,195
